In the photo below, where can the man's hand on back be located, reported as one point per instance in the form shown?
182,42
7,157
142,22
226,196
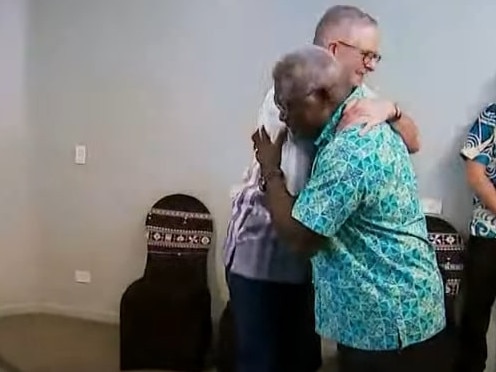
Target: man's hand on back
368,111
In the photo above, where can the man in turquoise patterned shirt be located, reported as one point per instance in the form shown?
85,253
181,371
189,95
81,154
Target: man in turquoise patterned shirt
379,292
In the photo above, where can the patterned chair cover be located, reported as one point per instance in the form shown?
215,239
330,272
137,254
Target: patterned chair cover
166,315
450,247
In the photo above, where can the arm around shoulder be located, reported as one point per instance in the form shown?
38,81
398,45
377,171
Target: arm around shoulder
409,132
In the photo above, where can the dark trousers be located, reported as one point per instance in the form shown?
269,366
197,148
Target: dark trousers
274,326
428,356
479,289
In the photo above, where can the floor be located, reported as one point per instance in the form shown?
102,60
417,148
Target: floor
47,343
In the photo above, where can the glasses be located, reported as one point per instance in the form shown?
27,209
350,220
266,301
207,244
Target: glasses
367,55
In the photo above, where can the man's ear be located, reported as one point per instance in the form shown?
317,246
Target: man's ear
331,48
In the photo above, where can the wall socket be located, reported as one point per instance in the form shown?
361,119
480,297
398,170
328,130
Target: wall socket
80,154
82,276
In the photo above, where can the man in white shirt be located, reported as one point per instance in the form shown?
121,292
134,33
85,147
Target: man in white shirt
269,285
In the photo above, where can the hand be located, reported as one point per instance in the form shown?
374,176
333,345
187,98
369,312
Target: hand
268,154
369,111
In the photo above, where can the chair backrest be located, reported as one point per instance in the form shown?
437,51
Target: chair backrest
166,321
179,224
181,227
449,246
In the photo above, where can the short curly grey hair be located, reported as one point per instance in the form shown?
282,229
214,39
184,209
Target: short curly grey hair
306,71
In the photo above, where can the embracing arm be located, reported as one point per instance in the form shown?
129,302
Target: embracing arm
280,203
331,195
373,111
480,184
407,129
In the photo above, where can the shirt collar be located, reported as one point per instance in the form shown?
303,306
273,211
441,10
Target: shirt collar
330,127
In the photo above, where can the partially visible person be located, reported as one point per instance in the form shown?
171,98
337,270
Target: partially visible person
270,287
479,285
379,292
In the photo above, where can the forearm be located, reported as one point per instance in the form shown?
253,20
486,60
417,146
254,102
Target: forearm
485,191
280,204
408,131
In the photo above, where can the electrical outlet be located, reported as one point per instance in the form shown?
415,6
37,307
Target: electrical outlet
80,154
82,276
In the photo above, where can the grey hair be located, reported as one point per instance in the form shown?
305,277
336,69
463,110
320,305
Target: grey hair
338,21
308,70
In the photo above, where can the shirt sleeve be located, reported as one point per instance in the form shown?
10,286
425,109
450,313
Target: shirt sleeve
478,145
334,190
268,116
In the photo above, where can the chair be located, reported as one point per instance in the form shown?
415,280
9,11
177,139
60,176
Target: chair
166,315
450,248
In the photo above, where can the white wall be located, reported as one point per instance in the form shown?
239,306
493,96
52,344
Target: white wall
18,225
165,94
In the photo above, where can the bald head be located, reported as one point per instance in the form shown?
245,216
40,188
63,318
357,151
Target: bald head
338,23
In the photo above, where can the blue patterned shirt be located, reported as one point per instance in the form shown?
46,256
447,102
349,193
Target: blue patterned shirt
480,147
377,283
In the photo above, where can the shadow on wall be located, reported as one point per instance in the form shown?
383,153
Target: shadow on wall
488,93
457,201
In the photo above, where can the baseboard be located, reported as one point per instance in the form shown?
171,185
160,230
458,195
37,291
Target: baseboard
56,309
18,309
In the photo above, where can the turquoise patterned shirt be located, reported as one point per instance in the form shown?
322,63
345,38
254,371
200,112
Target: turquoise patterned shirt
377,283
480,147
